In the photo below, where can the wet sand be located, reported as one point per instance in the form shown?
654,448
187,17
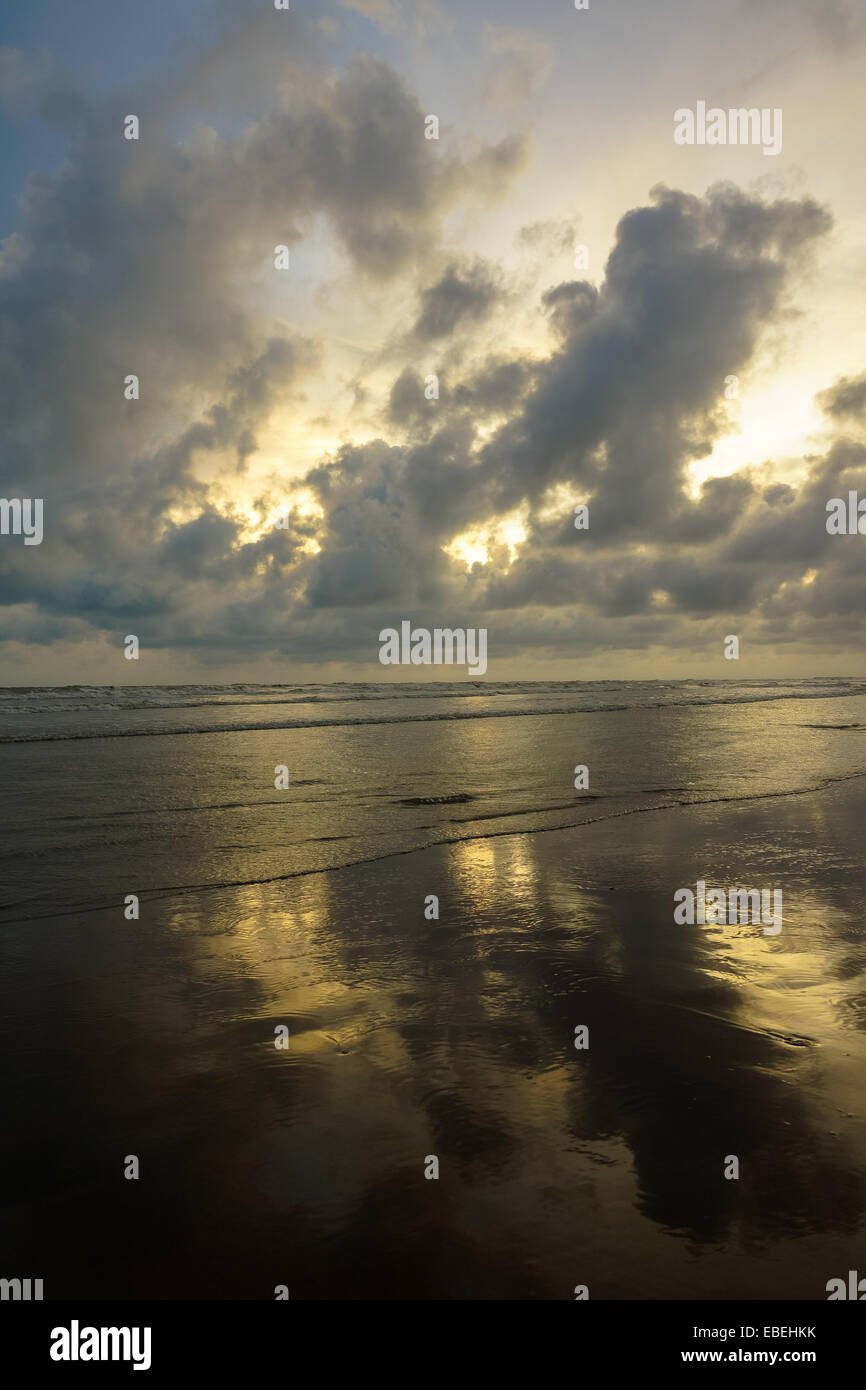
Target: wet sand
454,1038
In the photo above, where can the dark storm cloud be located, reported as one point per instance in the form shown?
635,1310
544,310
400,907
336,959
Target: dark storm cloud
459,296
570,305
689,286
407,404
375,547
358,153
495,388
768,562
846,398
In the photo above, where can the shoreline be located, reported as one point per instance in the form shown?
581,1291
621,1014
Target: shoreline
182,890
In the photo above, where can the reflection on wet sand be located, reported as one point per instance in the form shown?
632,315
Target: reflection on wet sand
454,1037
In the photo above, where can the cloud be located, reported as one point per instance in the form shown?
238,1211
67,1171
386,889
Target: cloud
846,398
459,296
156,258
424,18
139,257
526,63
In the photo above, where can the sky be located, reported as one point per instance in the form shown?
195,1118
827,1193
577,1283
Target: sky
668,334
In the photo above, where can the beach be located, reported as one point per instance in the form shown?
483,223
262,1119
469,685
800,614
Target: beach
451,1036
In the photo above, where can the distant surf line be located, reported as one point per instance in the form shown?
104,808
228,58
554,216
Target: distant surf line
431,717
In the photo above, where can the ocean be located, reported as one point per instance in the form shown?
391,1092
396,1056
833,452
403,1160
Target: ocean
416,1035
